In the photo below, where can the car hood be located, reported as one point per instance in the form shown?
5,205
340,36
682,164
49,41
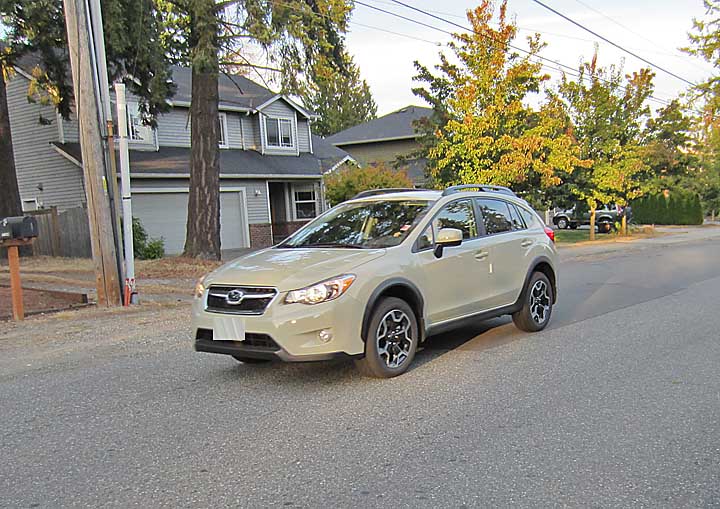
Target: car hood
290,269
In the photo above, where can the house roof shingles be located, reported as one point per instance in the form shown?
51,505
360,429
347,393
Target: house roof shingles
243,163
395,125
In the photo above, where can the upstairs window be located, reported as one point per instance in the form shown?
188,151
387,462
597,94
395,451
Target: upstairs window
222,130
278,132
137,131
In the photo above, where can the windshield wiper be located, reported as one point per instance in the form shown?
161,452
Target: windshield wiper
334,244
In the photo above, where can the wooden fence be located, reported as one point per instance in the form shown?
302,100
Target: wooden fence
62,233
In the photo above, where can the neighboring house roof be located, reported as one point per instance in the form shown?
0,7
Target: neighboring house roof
330,155
397,125
174,161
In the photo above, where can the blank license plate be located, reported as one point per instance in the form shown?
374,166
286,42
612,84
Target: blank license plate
228,329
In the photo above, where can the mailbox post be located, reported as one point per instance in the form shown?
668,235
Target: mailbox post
16,232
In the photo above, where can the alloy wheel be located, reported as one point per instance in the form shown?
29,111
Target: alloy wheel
540,302
394,338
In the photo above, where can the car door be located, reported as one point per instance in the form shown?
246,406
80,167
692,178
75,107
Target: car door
509,243
452,284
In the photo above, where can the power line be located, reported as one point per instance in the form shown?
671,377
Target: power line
580,25
564,68
407,36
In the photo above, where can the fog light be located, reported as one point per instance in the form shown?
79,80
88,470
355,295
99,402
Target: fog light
325,335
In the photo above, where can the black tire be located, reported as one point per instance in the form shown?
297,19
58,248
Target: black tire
563,223
573,226
526,319
382,352
250,360
604,227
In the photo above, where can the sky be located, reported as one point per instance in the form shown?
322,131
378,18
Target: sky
652,29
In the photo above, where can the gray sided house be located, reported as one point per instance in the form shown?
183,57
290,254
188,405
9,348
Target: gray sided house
271,165
385,139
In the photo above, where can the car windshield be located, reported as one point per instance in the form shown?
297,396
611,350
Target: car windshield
361,225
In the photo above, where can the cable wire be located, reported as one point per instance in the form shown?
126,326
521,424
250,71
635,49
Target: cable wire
560,66
580,25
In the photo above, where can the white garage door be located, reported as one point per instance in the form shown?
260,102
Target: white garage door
165,215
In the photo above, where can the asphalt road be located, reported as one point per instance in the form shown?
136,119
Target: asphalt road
617,404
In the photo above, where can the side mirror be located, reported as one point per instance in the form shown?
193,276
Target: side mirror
447,237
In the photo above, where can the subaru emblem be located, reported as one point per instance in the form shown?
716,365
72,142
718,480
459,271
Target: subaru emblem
234,297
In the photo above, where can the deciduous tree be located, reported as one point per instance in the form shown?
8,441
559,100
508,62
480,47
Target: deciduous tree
608,110
346,183
482,128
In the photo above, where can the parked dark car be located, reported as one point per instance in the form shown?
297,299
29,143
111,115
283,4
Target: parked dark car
605,218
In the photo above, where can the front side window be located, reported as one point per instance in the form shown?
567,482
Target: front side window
496,216
278,132
305,202
361,225
460,215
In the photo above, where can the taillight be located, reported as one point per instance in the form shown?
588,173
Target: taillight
550,233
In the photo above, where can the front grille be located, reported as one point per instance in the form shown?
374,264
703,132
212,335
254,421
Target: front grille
251,300
254,340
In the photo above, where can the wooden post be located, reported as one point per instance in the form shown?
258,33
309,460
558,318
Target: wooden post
101,231
15,283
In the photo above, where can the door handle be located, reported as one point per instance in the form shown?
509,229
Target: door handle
526,243
481,255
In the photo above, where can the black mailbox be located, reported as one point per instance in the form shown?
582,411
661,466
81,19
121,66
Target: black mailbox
21,227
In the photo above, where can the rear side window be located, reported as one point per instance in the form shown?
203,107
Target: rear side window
496,216
531,220
515,218
458,214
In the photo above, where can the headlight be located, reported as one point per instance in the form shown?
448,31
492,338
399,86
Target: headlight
321,292
199,288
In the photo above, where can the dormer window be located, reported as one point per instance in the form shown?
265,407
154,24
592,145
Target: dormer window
278,133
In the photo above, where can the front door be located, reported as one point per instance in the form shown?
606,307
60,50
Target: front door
453,283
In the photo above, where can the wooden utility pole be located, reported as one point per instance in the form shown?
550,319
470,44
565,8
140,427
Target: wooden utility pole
86,105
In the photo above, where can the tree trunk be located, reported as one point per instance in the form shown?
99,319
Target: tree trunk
623,227
203,220
10,204
592,224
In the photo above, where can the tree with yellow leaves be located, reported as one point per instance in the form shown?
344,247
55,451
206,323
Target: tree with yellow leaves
482,129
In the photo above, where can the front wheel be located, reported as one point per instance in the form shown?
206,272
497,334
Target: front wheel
537,304
563,223
392,339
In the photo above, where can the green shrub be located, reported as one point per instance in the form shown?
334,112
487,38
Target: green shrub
154,249
144,247
680,208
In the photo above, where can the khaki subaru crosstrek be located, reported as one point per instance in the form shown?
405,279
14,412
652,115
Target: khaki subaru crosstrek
373,277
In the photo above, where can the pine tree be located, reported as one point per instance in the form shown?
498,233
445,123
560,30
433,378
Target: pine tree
340,98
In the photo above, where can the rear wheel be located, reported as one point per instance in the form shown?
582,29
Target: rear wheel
537,304
392,340
563,223
250,360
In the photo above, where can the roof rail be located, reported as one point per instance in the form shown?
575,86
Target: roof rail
480,187
375,192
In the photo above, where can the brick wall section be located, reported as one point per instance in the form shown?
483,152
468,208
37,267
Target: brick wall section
284,230
260,235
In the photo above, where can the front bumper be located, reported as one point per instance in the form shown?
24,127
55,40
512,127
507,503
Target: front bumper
239,349
291,331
